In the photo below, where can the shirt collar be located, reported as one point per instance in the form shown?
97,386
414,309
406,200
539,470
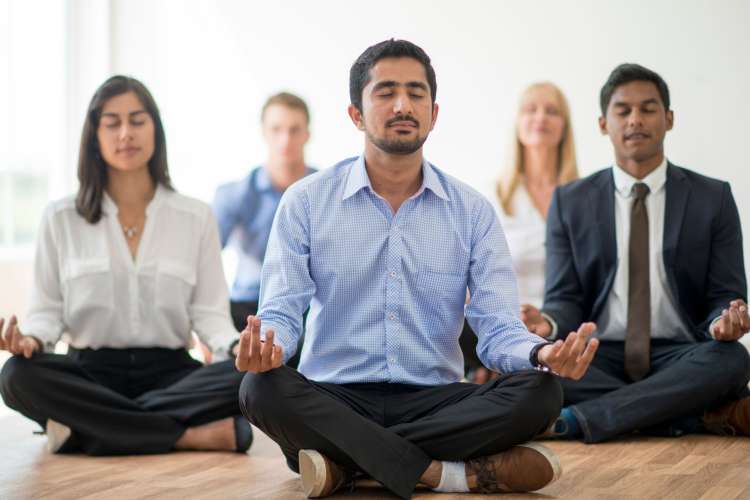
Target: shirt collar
655,180
358,179
110,207
263,181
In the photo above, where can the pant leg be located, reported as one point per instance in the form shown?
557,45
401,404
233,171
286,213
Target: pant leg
605,374
338,421
206,394
684,380
457,422
102,421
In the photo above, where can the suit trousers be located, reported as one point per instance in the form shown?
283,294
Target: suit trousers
391,432
121,401
684,381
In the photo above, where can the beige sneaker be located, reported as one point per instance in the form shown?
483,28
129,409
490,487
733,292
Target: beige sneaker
57,434
526,467
320,476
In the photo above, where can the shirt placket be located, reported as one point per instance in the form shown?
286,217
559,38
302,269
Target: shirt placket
393,294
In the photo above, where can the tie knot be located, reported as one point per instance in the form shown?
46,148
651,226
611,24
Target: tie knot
640,190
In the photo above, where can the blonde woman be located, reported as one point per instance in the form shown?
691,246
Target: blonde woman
543,157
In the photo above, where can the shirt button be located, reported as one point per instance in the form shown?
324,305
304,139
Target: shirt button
392,274
392,360
391,317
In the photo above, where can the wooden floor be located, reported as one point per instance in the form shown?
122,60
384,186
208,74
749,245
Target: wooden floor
694,467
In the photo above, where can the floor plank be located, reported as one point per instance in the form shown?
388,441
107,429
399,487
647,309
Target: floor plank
692,467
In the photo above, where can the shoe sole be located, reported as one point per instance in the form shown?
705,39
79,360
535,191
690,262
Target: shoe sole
312,471
548,454
57,434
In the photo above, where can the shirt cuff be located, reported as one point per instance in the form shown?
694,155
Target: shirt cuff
553,323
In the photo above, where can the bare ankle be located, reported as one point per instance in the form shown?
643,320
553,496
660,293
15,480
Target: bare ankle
216,436
431,475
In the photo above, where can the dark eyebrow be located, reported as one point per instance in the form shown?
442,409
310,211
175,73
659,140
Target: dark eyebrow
389,84
131,114
621,104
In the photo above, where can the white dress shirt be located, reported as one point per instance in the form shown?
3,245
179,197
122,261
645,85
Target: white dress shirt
525,233
88,287
666,322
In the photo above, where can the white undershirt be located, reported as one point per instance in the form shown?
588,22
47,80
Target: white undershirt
666,322
87,285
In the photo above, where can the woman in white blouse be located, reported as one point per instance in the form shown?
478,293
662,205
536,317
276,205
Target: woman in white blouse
124,272
543,157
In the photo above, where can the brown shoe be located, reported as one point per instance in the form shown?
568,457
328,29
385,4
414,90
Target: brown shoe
320,476
526,467
732,419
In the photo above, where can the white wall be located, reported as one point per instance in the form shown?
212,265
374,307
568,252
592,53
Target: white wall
211,65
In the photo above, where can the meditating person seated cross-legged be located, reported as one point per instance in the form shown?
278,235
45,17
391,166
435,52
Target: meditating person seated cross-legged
653,253
382,248
126,270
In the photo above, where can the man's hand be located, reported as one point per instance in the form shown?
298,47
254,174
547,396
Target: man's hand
534,321
254,355
13,341
572,357
733,323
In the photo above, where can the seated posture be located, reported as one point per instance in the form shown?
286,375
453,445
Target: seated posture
382,247
653,253
126,270
245,208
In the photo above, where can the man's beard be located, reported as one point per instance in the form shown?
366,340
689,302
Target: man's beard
396,146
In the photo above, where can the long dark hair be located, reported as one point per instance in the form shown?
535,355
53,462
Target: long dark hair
92,170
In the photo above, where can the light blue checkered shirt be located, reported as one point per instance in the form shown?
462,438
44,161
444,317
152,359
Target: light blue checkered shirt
387,292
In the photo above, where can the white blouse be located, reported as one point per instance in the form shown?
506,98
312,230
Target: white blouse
525,232
88,287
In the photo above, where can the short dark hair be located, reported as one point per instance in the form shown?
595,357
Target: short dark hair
630,72
359,75
92,169
286,99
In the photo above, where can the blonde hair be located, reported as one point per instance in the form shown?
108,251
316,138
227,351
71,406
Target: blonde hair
567,169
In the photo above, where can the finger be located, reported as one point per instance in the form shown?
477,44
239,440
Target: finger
15,343
551,360
243,352
737,303
584,361
28,347
735,324
744,318
266,352
720,328
564,357
249,322
255,345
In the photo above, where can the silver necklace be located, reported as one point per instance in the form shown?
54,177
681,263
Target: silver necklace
130,231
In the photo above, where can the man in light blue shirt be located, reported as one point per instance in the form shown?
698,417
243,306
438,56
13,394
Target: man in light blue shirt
382,248
245,208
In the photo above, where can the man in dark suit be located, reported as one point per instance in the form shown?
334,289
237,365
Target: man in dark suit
652,253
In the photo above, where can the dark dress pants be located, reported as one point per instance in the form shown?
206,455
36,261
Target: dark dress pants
391,432
685,380
121,401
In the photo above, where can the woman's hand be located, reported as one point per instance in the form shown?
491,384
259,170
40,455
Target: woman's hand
13,341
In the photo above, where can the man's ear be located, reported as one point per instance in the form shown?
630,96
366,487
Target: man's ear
435,109
356,116
670,119
603,125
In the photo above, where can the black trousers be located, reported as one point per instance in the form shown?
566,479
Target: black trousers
685,380
121,401
391,432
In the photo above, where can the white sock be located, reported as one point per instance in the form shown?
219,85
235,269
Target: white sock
453,478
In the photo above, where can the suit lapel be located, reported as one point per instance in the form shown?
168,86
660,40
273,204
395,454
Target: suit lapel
603,204
677,191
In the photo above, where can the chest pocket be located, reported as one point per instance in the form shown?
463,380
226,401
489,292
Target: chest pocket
88,287
174,285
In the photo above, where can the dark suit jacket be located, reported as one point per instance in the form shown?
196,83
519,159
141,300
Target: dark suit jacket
702,249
